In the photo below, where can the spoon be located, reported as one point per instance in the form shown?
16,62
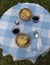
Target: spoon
38,41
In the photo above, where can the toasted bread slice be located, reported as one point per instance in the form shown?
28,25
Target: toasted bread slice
26,12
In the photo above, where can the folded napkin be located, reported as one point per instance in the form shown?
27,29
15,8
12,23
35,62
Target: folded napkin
7,38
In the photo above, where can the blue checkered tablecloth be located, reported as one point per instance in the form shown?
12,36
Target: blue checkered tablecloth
7,38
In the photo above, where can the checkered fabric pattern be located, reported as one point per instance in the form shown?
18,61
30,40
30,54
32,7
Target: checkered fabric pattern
7,38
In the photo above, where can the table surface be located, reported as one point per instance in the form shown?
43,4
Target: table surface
7,38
